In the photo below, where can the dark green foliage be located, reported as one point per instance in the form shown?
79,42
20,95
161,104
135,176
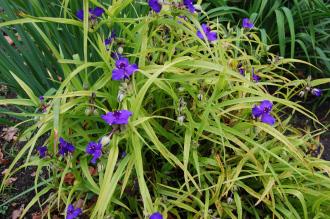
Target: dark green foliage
300,28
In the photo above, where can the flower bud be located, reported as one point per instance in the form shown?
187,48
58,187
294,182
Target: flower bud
105,140
88,111
120,96
200,97
120,50
230,200
301,93
181,119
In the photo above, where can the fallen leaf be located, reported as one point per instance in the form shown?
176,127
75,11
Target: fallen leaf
9,134
2,161
10,181
17,213
69,178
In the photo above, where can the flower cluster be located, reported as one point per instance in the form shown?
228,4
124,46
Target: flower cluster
42,150
263,112
65,147
72,213
157,5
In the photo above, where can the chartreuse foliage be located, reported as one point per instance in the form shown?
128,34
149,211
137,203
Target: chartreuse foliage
192,148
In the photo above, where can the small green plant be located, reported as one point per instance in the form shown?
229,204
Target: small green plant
170,117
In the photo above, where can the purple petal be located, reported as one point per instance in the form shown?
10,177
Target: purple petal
316,92
247,23
189,5
156,215
266,105
122,63
80,14
256,111
267,118
131,69
211,36
200,35
97,11
108,118
118,74
154,5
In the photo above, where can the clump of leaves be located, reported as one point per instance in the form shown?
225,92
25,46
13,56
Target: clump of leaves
183,119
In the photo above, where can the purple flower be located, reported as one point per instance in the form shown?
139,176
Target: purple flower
255,77
316,92
211,36
65,147
41,98
119,117
94,149
42,151
123,70
156,215
247,24
93,13
72,213
263,111
109,40
155,5
189,5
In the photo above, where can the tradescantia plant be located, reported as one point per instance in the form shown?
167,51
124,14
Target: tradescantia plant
184,120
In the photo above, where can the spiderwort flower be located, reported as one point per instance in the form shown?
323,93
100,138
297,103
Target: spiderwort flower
42,98
65,147
93,13
211,36
316,92
119,117
95,149
42,151
156,215
123,70
263,111
72,213
247,23
155,5
189,5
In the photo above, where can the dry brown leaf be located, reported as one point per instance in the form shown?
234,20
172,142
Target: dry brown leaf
36,215
2,161
10,181
92,171
17,213
4,171
9,134
69,178
79,203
